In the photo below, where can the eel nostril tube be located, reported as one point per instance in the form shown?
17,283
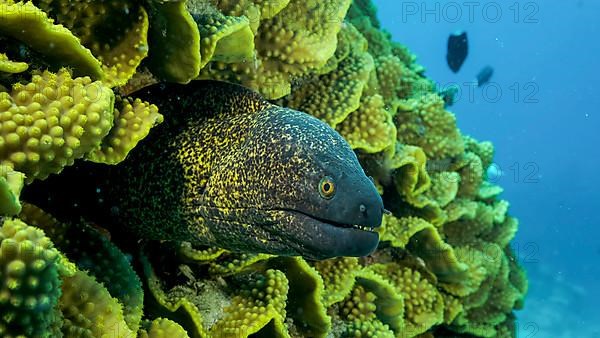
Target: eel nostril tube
362,208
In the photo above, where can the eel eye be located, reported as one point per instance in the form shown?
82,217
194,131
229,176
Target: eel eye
327,187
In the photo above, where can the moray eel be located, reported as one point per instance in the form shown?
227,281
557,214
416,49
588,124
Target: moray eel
229,169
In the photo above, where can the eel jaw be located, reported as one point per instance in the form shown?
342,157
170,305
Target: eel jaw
320,239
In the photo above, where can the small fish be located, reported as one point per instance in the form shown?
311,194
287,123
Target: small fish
458,49
484,75
449,95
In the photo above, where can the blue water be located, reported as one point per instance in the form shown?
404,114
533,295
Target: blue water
542,111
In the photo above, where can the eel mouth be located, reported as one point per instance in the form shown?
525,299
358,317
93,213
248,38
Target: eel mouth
317,238
344,225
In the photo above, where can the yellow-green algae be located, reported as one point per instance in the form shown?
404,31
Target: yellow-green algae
444,263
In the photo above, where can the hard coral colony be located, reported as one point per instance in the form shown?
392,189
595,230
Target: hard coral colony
70,78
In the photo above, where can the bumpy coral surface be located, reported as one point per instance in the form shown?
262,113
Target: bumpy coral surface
29,281
444,266
51,121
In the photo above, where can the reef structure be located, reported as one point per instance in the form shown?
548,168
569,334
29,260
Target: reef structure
444,266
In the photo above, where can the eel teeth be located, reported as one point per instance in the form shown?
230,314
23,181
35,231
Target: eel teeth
362,227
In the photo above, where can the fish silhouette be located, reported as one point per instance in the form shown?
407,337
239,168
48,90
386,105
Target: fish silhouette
484,75
458,49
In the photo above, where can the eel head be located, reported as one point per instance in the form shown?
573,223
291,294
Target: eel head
292,187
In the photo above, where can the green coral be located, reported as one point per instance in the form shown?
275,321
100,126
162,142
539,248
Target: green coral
92,252
11,183
29,282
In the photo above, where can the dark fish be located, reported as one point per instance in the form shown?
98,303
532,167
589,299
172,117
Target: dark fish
484,75
449,95
458,49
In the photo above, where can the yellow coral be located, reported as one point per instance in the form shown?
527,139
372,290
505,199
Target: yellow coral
8,66
444,187
410,174
370,128
389,303
452,308
302,35
424,306
359,309
255,10
51,121
89,310
304,302
133,121
424,122
27,23
477,224
485,150
488,309
225,39
423,240
198,255
115,32
489,191
338,276
397,80
162,328
477,271
461,208
331,97
295,42
471,171
174,41
259,307
177,306
235,263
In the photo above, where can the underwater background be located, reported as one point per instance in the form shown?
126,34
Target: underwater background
540,109
114,221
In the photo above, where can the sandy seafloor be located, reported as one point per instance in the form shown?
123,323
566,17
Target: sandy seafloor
546,135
